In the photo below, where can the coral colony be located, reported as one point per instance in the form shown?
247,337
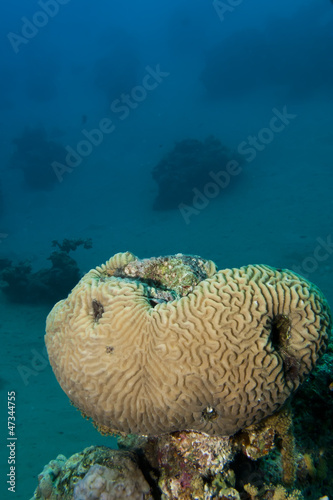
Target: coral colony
47,285
194,369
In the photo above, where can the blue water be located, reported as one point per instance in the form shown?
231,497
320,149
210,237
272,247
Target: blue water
93,95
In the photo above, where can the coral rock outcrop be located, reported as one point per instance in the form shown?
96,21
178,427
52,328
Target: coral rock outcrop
96,473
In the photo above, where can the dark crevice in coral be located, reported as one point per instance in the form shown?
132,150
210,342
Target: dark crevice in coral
150,474
154,302
247,471
279,334
209,414
145,455
98,309
150,282
280,326
291,366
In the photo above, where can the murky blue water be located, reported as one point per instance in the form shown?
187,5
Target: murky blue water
93,95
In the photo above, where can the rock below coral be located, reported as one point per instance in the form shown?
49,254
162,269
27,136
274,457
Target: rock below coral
103,483
187,462
97,473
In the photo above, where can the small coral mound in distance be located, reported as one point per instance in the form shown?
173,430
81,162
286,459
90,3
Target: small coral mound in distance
34,156
188,167
166,344
21,285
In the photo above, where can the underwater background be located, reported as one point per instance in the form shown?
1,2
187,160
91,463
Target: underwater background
105,108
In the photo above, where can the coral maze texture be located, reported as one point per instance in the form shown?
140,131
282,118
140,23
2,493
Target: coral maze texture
139,353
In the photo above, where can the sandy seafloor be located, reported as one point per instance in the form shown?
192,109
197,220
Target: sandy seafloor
272,213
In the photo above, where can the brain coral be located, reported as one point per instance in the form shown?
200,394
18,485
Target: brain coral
158,345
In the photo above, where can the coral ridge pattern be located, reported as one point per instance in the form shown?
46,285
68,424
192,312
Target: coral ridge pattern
165,344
